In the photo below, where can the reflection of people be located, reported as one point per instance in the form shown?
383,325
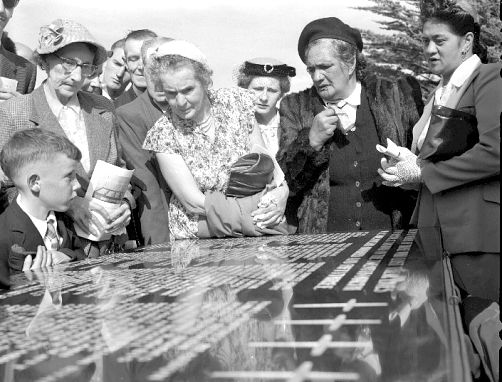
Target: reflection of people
12,66
202,133
42,166
69,54
269,80
328,135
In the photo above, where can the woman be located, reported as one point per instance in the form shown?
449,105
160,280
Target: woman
455,159
269,80
69,55
201,135
459,193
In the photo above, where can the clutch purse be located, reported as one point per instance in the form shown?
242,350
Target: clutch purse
250,174
451,133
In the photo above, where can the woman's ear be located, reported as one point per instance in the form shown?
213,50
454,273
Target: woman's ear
34,183
468,42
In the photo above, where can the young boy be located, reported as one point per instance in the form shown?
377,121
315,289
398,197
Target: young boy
33,229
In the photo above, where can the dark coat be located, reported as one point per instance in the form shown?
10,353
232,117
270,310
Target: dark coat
16,228
395,107
126,97
462,194
18,68
135,119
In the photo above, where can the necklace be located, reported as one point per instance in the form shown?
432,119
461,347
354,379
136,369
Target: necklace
206,125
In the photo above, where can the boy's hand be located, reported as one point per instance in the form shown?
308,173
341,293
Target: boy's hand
43,259
119,219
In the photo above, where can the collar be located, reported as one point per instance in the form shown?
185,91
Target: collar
56,105
40,225
354,99
274,122
464,71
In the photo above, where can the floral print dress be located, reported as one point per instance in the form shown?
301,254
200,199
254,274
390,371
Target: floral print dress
209,162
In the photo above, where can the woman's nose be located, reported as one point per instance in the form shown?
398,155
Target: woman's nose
263,95
430,47
181,100
316,75
76,74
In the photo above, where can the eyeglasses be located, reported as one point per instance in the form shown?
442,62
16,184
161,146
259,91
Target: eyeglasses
10,3
68,64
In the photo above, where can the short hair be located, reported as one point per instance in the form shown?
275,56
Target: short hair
140,34
33,145
243,81
347,53
460,23
169,62
118,44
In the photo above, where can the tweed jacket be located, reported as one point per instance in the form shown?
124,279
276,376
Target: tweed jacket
462,194
18,68
395,107
32,110
153,194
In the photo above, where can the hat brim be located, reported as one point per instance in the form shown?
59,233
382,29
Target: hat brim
101,54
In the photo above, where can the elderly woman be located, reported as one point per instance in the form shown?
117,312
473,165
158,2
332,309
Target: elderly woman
269,80
201,135
458,173
328,135
69,55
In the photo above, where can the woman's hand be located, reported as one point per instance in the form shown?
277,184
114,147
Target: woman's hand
83,212
271,207
118,219
397,172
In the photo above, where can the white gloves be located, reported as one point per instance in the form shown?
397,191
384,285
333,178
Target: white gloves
401,168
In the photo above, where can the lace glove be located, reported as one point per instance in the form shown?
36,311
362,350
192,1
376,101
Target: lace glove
405,171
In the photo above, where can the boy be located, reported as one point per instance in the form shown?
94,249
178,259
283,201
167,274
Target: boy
42,166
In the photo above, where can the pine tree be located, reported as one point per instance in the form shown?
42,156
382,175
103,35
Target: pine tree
402,52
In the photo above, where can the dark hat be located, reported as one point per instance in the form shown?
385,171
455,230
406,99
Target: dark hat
329,27
267,67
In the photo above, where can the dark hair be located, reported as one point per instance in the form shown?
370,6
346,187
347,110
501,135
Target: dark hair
243,80
461,23
118,44
32,145
140,34
168,62
347,53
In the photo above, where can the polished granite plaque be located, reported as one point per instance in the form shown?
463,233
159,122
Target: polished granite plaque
351,306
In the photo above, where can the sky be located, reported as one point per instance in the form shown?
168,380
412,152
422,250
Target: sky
227,31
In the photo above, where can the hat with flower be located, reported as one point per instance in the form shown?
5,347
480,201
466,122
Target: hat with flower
63,32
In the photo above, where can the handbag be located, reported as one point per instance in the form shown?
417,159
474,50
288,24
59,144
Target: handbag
451,133
250,174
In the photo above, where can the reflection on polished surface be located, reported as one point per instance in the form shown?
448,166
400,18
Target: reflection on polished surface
354,306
